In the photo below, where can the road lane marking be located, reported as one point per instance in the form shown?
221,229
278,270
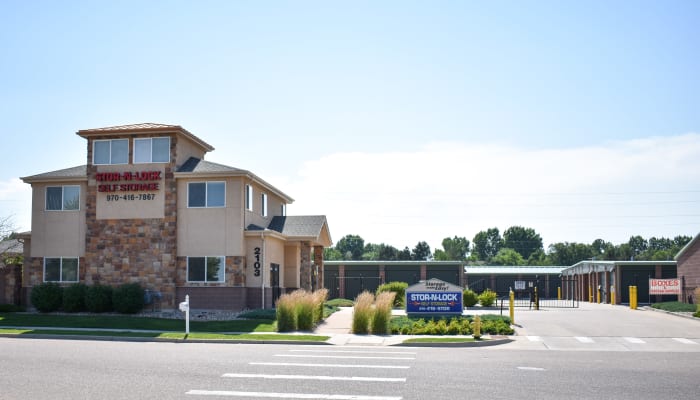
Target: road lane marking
534,338
330,365
584,339
346,357
635,340
316,377
531,369
684,341
289,395
356,351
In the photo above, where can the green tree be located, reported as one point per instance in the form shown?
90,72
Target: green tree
637,245
388,253
566,254
421,252
332,254
455,248
351,247
506,256
523,240
600,248
486,244
538,258
404,255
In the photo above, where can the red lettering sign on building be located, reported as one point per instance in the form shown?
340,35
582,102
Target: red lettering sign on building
144,181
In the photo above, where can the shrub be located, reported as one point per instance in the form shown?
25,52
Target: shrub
98,298
454,328
286,315
7,308
260,313
128,298
74,298
340,303
362,314
487,298
469,298
382,313
397,287
47,297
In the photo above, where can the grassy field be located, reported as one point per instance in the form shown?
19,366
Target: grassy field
138,323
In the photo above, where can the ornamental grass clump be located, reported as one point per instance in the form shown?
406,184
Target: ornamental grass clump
469,298
362,313
305,311
319,297
382,313
286,315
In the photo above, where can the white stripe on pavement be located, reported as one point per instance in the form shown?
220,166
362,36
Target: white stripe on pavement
330,365
684,341
635,340
356,351
534,338
289,395
584,339
346,357
316,377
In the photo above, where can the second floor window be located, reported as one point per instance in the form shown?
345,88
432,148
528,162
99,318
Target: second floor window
206,194
248,197
114,151
152,150
263,212
62,198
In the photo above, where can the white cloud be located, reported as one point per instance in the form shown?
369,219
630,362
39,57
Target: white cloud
648,186
16,203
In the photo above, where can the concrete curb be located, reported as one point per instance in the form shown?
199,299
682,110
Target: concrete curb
682,315
159,340
482,343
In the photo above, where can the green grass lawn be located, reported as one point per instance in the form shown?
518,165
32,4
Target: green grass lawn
170,335
125,322
443,340
675,306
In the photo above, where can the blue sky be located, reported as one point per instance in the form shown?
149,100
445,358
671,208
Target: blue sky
401,121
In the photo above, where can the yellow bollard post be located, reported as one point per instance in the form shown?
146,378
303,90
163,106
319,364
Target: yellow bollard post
511,303
598,294
590,294
631,294
559,293
537,300
612,294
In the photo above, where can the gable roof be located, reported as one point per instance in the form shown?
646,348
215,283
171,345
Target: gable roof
12,246
78,173
687,246
313,228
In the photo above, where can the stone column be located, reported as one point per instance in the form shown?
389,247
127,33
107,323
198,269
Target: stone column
305,266
318,261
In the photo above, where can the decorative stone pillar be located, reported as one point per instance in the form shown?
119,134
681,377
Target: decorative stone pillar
305,266
318,262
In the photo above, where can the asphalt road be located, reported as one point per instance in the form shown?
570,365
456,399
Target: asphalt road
63,369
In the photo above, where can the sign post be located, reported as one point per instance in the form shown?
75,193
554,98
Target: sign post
185,307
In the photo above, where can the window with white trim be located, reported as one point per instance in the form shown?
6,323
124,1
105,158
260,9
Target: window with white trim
62,198
206,194
115,151
248,197
263,212
152,150
60,269
283,210
206,269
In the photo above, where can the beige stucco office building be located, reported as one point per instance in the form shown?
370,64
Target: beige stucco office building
148,208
